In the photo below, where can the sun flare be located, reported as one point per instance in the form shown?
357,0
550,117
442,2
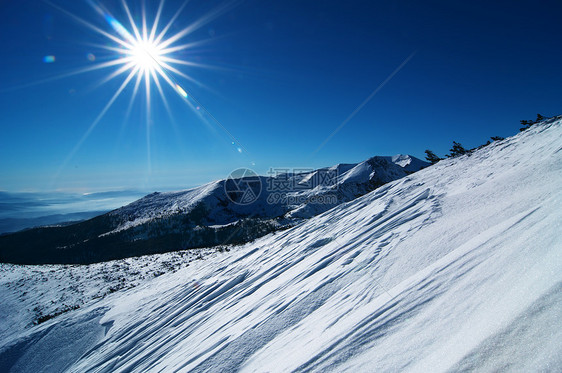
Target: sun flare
145,55
145,50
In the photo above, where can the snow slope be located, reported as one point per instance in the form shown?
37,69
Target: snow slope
455,267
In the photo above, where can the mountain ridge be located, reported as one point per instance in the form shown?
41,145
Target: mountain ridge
453,268
209,215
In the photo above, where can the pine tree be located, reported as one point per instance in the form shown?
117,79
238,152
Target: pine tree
497,138
526,125
431,157
457,150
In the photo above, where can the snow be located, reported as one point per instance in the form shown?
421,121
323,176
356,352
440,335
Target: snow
351,180
358,174
157,205
455,267
408,162
30,292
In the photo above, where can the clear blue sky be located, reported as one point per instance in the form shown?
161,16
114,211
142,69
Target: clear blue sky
280,77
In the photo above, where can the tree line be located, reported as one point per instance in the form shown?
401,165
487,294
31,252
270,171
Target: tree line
457,149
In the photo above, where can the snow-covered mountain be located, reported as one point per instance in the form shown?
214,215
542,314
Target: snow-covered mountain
213,214
457,267
348,181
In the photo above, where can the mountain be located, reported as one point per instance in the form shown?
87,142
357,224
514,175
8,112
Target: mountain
456,267
235,210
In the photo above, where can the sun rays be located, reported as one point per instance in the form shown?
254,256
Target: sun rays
147,56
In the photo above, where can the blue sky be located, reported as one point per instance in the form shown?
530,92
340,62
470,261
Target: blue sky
280,76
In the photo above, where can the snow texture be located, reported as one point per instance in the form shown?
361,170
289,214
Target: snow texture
456,267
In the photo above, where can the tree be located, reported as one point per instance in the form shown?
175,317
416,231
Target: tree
528,123
431,157
457,150
540,118
497,138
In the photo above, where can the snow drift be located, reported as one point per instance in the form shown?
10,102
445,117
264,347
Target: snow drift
455,267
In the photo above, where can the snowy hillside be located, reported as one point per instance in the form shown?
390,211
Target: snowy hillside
350,180
234,210
457,267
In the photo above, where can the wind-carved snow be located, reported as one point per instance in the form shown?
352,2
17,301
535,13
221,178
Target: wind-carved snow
30,293
455,267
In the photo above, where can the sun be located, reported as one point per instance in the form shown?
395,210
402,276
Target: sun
146,55
145,51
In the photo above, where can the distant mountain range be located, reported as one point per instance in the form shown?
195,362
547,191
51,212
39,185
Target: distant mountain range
234,210
24,210
8,225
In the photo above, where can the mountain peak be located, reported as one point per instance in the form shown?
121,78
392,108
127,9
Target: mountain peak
208,215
